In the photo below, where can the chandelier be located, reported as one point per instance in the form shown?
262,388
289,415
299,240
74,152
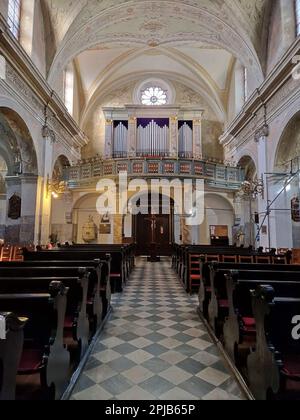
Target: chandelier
252,189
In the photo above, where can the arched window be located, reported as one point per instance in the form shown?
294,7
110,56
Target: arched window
154,95
69,88
14,17
297,7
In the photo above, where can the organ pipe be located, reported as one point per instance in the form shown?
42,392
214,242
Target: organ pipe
153,139
120,139
185,139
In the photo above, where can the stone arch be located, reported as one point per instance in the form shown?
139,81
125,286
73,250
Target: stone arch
84,207
248,165
60,163
27,125
20,141
288,147
89,30
218,211
19,205
209,96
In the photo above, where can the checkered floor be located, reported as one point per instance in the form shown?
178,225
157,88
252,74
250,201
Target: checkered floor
154,347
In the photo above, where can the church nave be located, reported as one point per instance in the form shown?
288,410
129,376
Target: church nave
154,346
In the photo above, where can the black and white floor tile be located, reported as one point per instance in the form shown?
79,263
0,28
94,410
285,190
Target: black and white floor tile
155,347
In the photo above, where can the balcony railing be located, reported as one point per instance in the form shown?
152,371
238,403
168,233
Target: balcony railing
88,173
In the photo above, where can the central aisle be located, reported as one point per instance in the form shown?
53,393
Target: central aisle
154,347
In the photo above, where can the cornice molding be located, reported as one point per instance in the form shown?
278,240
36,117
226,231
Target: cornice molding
21,63
261,97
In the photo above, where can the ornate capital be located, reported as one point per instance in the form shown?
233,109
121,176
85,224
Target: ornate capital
264,131
197,121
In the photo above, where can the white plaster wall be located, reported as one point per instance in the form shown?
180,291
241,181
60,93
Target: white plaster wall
85,208
4,8
218,211
38,54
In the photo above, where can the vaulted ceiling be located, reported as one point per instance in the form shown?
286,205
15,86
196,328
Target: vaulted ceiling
196,41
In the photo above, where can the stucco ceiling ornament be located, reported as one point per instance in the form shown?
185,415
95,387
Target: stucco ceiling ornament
120,24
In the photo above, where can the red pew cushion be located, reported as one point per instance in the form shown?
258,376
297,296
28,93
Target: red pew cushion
30,361
69,322
291,366
223,303
249,325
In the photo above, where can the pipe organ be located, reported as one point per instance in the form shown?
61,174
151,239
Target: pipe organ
185,132
120,139
141,131
153,137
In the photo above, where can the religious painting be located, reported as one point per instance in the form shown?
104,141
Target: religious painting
14,207
105,225
219,231
295,206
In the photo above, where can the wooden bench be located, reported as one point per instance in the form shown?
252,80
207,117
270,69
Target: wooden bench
128,251
11,348
186,256
218,305
117,274
77,325
99,294
274,366
209,270
99,268
44,353
239,328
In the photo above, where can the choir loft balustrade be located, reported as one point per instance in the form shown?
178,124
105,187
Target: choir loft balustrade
88,173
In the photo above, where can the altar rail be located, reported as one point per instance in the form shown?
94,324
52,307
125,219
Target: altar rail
215,174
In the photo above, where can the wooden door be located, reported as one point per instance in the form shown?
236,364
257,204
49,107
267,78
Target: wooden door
162,234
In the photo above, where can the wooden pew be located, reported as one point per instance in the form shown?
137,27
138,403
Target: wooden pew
10,354
210,270
35,269
127,249
219,306
99,277
187,256
117,275
239,328
44,353
274,366
77,325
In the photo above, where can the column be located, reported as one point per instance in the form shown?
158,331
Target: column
44,197
261,138
197,138
132,136
29,189
174,137
118,231
109,140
